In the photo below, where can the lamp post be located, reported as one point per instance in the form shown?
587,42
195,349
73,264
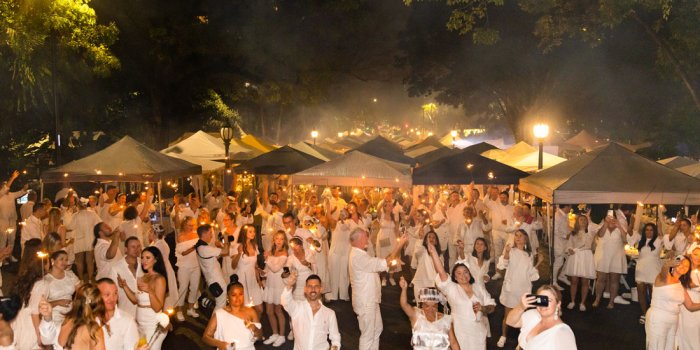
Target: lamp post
454,137
226,134
541,132
314,135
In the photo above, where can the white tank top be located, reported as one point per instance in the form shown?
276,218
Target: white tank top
431,335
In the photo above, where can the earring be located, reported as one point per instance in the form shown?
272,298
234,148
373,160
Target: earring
556,313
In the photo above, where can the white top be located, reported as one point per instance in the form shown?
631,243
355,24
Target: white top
364,277
559,337
26,209
231,329
123,333
340,240
104,264
679,243
33,228
500,212
561,229
431,335
455,217
82,226
60,289
311,331
121,268
668,299
469,232
207,256
189,260
133,228
8,209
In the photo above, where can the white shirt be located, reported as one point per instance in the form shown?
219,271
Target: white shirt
208,262
455,217
212,202
121,268
500,212
104,264
364,277
62,193
561,229
311,331
123,333
8,210
470,232
26,210
679,243
33,228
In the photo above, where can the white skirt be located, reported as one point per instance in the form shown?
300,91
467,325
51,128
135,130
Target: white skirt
647,269
580,264
611,260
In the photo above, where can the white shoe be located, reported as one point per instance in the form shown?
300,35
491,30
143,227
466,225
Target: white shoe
383,283
180,317
606,295
496,276
271,339
501,342
290,336
557,286
563,279
192,313
621,300
279,342
571,305
582,307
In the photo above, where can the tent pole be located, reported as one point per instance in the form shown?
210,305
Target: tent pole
550,239
41,191
160,202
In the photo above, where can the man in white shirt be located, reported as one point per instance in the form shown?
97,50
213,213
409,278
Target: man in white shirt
123,333
455,217
106,200
106,248
209,263
214,199
26,209
336,202
561,232
128,270
501,219
34,226
273,223
472,227
81,230
366,288
8,211
313,322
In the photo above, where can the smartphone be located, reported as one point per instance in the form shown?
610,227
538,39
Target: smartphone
540,300
611,213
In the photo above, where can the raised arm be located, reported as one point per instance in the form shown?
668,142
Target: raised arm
113,245
437,263
403,301
127,290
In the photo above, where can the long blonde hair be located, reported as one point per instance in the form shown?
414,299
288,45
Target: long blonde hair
88,307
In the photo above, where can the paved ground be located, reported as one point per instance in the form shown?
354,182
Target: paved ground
594,329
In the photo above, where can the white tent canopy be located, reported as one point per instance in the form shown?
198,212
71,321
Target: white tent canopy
520,148
677,162
528,162
126,160
692,170
612,174
302,146
356,169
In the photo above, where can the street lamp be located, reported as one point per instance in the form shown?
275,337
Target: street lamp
226,134
454,137
314,135
340,135
541,132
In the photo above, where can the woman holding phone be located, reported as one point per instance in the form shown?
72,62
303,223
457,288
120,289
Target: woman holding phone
541,328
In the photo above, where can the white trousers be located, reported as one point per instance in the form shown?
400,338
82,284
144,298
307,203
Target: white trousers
661,328
7,240
370,319
188,277
340,281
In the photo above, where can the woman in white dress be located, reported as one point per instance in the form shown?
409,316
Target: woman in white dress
648,264
421,225
235,326
188,271
339,252
541,327
579,265
245,265
230,231
61,284
425,272
431,329
610,262
688,334
303,262
30,288
479,259
469,302
668,297
150,295
319,233
521,272
275,261
386,238
157,238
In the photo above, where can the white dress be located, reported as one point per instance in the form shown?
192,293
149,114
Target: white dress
60,289
226,260
274,266
478,272
559,337
133,228
519,276
172,295
231,329
649,262
471,332
147,321
431,335
24,333
386,237
338,257
425,272
580,264
662,317
320,234
689,328
610,253
247,277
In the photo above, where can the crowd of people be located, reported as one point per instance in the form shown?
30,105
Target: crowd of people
96,271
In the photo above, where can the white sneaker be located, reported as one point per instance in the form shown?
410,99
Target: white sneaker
271,339
192,313
501,342
606,295
557,286
621,300
279,342
180,317
496,276
290,336
571,305
582,307
563,279
383,283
